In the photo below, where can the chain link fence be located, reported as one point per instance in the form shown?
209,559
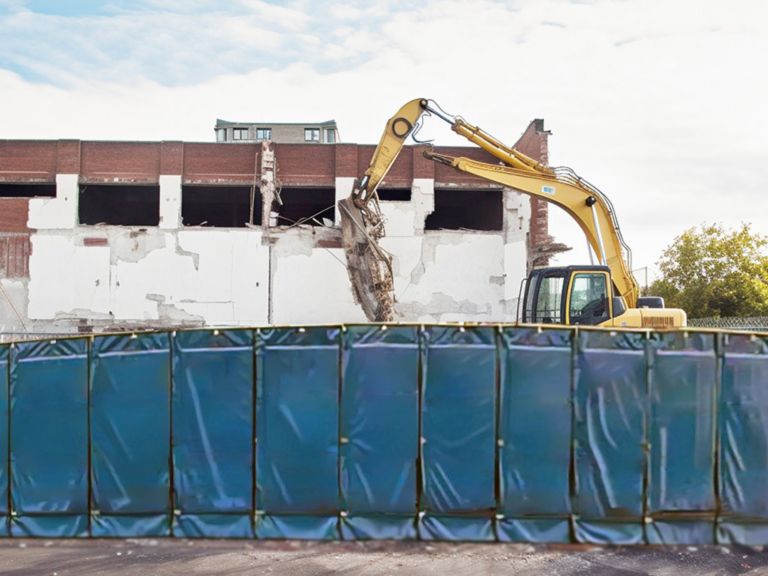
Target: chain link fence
754,323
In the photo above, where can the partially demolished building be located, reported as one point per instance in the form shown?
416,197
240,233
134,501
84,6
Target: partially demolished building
122,235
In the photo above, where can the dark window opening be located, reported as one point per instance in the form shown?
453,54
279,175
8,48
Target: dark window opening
119,205
219,206
27,190
394,194
466,209
309,206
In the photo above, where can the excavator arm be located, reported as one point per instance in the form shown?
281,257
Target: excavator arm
369,266
591,210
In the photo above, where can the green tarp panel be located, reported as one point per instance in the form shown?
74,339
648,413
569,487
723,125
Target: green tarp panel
681,493
379,432
130,435
49,438
743,445
458,434
297,417
535,433
610,436
4,512
213,433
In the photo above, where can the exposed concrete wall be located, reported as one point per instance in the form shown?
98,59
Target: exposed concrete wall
149,276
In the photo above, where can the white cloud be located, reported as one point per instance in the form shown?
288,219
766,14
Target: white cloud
660,104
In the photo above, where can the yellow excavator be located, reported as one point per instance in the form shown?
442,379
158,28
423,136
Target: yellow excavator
598,295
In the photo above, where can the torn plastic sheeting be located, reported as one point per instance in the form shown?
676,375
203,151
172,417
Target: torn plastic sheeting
744,433
379,430
213,432
682,426
297,420
4,355
535,426
611,409
130,434
49,431
458,428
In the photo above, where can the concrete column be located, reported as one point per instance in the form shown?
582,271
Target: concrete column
344,185
59,213
423,201
170,201
517,217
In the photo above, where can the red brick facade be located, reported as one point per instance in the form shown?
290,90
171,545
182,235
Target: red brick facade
143,162
534,143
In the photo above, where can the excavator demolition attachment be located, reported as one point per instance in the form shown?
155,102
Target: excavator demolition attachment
362,225
369,266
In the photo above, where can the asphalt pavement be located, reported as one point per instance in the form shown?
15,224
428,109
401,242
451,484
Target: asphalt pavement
199,557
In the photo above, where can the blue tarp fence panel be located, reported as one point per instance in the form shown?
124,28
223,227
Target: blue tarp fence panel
681,500
49,439
213,434
130,435
610,436
478,433
535,415
458,443
379,432
297,420
743,443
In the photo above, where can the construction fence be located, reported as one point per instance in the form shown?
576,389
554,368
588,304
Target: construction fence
368,432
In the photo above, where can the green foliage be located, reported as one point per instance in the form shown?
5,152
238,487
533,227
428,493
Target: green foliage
712,272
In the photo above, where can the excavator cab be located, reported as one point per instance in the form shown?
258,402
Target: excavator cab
570,295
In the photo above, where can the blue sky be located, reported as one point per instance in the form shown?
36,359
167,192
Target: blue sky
660,103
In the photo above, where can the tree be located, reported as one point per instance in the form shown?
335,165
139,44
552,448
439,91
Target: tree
713,272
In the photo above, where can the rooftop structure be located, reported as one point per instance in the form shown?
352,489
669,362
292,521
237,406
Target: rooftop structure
281,132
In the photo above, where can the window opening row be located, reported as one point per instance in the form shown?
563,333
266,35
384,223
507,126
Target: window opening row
238,206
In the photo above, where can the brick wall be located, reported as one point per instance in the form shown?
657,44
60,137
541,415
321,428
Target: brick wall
534,143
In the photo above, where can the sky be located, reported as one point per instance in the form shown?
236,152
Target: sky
659,103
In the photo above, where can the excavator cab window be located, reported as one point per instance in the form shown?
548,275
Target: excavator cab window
588,301
549,301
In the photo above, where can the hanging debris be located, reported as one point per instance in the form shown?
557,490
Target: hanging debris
362,225
269,185
369,266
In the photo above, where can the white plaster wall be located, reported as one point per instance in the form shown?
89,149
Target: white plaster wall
171,275
52,275
454,276
398,217
59,212
212,276
312,288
